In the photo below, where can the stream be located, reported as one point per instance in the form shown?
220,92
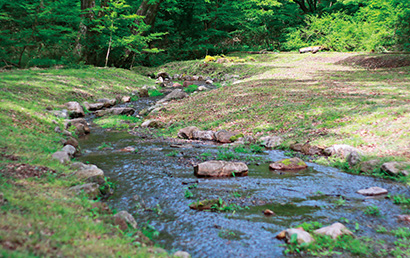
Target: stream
153,180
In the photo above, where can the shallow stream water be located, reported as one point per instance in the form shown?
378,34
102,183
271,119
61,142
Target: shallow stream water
151,186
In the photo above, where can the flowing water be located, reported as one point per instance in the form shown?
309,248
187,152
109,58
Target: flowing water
152,184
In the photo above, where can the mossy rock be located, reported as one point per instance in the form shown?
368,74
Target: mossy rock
236,137
288,164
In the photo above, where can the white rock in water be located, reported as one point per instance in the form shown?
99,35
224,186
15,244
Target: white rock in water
372,191
334,230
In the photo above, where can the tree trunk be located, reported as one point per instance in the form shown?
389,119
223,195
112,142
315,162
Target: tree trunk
87,15
149,11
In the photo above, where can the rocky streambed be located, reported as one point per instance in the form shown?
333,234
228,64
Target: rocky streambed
157,185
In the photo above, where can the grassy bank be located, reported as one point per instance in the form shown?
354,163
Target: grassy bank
39,216
326,99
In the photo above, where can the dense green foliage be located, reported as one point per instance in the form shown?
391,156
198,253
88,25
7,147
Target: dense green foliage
123,33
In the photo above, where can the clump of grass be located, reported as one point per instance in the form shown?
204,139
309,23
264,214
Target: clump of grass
372,211
121,122
154,93
191,88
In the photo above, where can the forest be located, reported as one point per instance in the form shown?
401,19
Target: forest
126,33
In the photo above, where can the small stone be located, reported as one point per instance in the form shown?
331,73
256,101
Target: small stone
61,156
268,212
177,84
372,191
57,129
2,199
107,102
202,88
143,93
224,136
209,82
128,149
72,141
95,106
182,254
75,109
204,135
335,230
404,218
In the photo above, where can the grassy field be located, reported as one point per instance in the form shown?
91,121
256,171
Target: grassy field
41,218
351,98
326,99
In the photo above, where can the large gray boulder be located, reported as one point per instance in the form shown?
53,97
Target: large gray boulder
396,168
87,170
187,132
70,149
341,150
93,106
74,109
271,141
353,158
220,169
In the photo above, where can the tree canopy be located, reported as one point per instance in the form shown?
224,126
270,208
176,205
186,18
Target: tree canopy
124,33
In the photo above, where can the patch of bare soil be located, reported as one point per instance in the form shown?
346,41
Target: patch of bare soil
379,61
22,171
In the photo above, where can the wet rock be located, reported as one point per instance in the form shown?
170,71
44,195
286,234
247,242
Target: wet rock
116,111
176,76
202,88
75,109
268,212
177,84
335,230
187,132
308,149
372,191
340,150
67,133
61,156
70,150
127,218
369,166
271,141
302,236
128,149
224,136
396,168
220,169
107,102
204,135
209,82
182,254
143,93
288,164
152,123
207,204
91,190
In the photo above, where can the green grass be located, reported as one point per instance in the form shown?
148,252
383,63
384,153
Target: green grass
121,122
42,218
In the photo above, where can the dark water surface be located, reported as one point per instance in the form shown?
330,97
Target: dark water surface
160,181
